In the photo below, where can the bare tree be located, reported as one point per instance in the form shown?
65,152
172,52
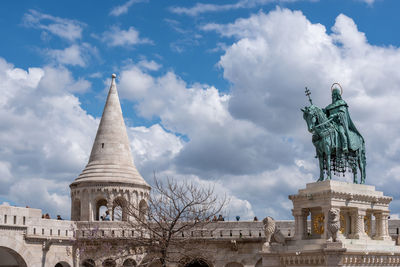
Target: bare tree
164,227
173,212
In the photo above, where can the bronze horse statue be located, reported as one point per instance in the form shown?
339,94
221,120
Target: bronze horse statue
329,146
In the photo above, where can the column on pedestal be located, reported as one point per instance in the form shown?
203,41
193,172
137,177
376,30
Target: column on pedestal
325,211
358,222
381,226
305,214
110,209
300,221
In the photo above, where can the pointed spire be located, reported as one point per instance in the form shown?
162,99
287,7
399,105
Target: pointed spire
111,157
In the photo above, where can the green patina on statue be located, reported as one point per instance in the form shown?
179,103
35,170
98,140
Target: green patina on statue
338,143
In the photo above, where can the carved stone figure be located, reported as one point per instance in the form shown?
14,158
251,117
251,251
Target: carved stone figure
271,232
338,143
269,228
333,224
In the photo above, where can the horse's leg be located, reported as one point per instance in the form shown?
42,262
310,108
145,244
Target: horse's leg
321,168
328,164
361,165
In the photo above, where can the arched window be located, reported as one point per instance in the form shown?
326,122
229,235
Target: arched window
197,263
109,263
11,257
101,207
76,210
62,264
88,263
129,262
119,209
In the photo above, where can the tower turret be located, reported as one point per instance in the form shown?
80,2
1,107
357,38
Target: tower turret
110,179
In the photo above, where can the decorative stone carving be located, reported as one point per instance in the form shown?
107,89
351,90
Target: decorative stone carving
271,231
279,237
269,228
333,223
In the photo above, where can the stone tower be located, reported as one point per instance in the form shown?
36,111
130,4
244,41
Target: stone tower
110,180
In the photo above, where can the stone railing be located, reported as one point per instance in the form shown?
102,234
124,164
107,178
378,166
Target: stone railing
29,220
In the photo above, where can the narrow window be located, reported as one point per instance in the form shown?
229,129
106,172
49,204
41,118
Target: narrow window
34,231
102,232
51,231
112,232
102,145
66,232
123,232
15,219
23,220
5,219
133,232
42,231
59,232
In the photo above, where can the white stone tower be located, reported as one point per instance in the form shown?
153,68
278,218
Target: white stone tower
110,179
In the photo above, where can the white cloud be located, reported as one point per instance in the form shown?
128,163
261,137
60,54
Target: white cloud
134,83
256,133
46,136
369,2
64,28
5,172
153,148
118,37
149,65
123,9
200,8
283,52
75,55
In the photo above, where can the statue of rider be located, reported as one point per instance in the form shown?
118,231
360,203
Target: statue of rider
338,112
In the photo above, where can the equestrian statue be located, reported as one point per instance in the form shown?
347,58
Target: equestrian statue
338,143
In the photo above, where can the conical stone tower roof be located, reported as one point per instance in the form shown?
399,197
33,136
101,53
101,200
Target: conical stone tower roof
111,159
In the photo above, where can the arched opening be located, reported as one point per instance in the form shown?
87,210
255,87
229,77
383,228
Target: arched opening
119,210
197,263
88,263
259,263
101,208
142,208
11,258
76,210
109,263
129,262
62,264
234,264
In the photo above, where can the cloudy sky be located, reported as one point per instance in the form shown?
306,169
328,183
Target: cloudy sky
211,92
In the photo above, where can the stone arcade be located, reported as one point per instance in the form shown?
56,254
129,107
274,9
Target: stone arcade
335,223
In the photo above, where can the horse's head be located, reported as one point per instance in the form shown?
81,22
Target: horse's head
310,116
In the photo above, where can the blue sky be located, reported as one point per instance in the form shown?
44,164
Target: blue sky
210,91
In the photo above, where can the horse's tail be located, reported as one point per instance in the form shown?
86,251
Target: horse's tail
363,157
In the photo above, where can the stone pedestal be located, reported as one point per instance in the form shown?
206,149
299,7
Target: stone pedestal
356,203
341,232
